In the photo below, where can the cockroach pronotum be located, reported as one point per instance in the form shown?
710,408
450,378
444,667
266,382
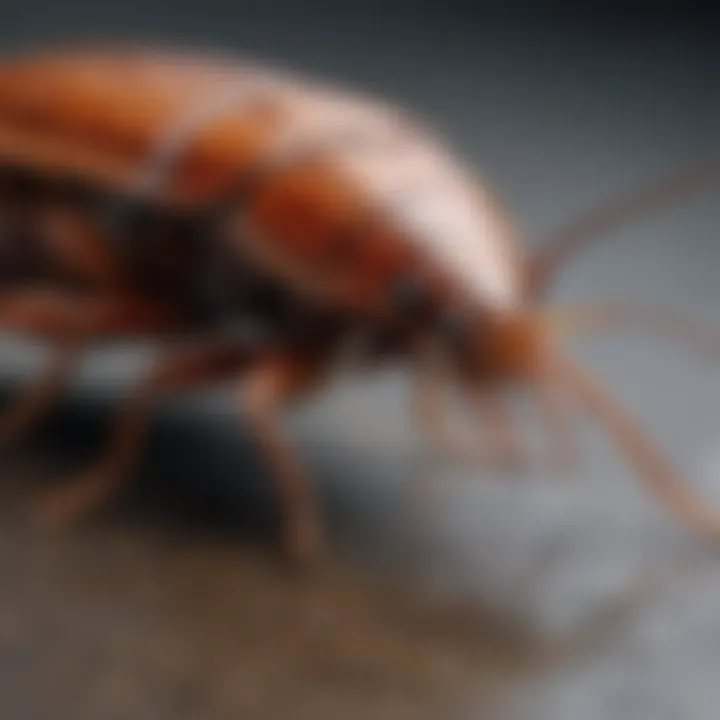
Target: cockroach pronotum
265,226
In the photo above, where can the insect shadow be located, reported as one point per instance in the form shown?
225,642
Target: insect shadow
196,472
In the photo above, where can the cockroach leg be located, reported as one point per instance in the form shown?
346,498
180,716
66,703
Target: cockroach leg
432,417
652,468
505,449
54,314
266,391
35,401
182,369
48,313
433,371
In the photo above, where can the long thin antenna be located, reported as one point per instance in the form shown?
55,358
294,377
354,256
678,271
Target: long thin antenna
564,243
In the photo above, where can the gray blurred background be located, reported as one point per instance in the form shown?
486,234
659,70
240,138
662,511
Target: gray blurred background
558,108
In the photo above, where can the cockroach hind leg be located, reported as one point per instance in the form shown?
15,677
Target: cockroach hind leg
506,451
266,391
61,509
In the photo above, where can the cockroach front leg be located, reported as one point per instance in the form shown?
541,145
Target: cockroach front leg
503,448
506,450
266,391
448,438
432,417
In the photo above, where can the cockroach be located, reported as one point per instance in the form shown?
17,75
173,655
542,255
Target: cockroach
267,226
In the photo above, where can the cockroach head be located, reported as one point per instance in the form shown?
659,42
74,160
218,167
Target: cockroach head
490,345
481,340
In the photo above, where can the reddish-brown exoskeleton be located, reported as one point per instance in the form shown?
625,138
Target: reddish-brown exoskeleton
262,223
